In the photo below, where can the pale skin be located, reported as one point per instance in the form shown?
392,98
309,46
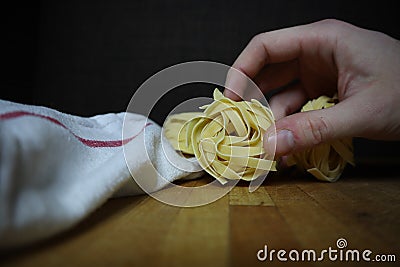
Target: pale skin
324,58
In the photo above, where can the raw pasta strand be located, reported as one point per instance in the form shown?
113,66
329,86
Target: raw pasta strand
326,161
226,139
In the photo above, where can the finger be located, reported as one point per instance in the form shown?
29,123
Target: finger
307,129
277,75
288,101
235,84
263,49
280,46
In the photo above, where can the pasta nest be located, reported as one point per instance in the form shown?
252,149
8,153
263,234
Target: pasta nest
226,138
325,161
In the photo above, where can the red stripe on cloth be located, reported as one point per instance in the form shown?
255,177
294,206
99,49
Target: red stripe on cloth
86,142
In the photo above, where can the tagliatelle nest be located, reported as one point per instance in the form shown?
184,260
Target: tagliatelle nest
226,139
325,161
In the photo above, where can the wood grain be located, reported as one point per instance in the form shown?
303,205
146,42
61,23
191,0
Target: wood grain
287,212
240,195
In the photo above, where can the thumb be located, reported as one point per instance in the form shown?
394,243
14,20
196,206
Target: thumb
307,129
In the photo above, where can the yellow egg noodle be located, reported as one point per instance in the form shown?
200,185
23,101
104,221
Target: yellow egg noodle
227,140
326,161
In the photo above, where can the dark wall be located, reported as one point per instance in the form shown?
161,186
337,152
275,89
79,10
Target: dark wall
87,59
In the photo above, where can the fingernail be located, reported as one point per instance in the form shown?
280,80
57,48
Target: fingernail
284,143
228,93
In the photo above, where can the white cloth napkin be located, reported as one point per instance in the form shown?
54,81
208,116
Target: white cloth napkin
56,168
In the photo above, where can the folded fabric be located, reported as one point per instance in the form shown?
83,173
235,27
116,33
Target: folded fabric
55,168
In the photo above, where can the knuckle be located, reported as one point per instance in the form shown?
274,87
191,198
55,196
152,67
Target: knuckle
316,130
332,23
257,39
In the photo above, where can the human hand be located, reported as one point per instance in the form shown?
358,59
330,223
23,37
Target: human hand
325,57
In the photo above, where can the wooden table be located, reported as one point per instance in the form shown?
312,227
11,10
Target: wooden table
289,211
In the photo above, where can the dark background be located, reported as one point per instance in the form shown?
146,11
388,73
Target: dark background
87,59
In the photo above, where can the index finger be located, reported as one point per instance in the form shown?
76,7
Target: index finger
273,47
